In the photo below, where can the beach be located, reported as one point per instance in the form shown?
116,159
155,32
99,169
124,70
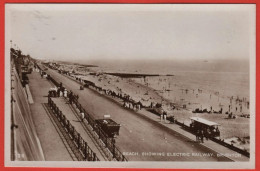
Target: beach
180,93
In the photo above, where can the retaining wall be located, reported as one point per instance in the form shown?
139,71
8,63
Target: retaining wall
24,140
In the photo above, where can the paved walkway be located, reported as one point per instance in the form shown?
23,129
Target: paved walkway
52,145
141,138
66,110
209,144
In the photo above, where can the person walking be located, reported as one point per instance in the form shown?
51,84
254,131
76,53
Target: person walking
202,136
164,116
65,93
82,116
61,94
207,134
197,135
139,107
70,98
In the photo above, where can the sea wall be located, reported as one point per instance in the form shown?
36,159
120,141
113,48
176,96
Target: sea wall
25,145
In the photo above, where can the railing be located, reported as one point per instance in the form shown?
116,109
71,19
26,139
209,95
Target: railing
219,141
53,81
82,146
109,142
231,146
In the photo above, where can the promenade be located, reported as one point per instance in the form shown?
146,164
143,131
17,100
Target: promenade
141,133
207,143
52,144
63,105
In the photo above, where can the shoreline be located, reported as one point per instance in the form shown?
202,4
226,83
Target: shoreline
146,89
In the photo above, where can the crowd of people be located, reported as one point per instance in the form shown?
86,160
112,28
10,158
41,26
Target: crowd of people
61,91
128,102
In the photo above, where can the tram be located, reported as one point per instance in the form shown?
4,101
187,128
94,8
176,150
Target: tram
110,127
209,128
88,83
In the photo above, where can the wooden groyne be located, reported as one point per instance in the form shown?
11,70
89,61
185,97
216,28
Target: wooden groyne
131,75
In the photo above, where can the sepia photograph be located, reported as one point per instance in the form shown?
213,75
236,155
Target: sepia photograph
130,85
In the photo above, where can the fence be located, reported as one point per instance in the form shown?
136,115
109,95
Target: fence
54,81
126,98
82,146
231,146
219,141
109,142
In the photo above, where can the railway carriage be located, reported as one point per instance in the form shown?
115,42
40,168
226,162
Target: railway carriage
209,128
110,127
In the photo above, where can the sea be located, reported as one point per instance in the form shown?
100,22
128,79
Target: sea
220,81
228,77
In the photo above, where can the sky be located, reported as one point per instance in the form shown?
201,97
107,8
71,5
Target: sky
132,31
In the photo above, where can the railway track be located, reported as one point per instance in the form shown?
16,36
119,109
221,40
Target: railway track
107,155
94,137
